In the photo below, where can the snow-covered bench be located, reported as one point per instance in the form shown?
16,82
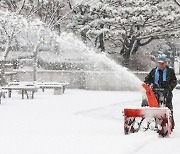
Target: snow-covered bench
31,87
58,89
28,89
57,86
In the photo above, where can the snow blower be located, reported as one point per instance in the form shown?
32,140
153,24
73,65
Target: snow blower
155,117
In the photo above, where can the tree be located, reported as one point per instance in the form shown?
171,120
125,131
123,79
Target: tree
132,24
28,36
48,11
9,28
35,32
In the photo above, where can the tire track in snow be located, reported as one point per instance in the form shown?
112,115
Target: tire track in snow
108,107
101,112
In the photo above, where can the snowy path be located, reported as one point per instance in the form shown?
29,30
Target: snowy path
79,122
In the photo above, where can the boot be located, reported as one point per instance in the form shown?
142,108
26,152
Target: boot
173,123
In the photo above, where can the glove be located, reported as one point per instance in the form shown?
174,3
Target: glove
166,93
167,86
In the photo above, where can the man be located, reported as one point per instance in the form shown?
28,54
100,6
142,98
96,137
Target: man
163,77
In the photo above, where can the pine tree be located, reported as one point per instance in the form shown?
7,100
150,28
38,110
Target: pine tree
129,24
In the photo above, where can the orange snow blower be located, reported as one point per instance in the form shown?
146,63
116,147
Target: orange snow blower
153,117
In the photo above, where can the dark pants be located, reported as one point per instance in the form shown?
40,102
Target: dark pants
170,106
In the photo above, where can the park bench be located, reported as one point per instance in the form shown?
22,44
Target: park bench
26,89
29,88
58,87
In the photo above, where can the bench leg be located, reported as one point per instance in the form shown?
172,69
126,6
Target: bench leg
22,94
9,93
32,94
27,94
64,89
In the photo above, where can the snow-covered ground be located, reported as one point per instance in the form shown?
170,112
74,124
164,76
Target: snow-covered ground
78,122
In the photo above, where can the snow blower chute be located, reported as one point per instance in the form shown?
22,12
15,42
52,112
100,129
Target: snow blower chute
154,117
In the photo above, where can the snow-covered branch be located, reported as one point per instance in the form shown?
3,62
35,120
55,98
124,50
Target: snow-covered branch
128,20
177,2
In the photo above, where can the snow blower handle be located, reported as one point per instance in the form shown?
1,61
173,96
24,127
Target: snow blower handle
152,101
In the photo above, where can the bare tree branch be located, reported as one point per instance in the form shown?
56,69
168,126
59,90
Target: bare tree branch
146,42
178,3
70,5
23,4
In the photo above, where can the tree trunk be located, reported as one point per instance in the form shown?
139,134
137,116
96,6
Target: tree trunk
35,62
101,42
6,52
83,36
3,62
100,39
135,48
126,57
2,75
127,49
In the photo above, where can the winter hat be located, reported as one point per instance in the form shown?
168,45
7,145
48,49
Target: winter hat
162,59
